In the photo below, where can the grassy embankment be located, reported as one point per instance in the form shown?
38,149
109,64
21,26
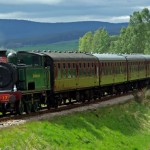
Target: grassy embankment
60,46
120,127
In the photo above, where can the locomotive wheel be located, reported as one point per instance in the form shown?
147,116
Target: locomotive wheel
56,104
3,109
3,113
82,98
60,101
20,107
48,106
64,101
35,106
28,107
69,100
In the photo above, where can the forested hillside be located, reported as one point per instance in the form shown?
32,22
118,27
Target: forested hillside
18,33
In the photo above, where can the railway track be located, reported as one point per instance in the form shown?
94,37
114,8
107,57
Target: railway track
12,119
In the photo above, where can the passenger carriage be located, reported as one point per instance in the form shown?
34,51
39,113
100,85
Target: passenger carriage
74,75
136,66
113,72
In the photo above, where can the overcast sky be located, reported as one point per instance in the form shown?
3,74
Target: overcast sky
71,10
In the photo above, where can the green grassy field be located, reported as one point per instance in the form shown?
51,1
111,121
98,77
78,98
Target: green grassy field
60,46
120,127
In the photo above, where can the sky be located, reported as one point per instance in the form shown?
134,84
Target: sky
71,10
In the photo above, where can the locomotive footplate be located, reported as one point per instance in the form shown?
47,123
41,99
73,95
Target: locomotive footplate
8,100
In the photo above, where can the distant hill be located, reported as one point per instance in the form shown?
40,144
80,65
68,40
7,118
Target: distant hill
59,46
18,33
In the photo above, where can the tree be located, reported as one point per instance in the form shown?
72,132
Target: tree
140,17
118,45
146,19
85,42
96,41
140,21
100,41
134,38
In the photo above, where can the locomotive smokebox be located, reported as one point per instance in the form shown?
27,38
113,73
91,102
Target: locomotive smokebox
8,76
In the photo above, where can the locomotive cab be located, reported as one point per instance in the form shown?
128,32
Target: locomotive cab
32,73
24,81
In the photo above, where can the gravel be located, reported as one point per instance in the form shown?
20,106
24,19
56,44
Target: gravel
114,101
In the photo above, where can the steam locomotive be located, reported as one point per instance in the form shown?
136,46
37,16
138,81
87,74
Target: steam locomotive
30,80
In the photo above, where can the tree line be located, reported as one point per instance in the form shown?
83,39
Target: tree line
135,38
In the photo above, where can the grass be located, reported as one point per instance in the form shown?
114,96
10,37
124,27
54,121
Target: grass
120,127
60,46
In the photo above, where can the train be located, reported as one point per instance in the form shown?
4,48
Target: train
31,80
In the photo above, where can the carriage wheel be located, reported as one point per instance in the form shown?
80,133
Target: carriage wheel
20,107
28,107
35,106
60,101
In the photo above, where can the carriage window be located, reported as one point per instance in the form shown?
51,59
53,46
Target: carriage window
58,65
64,66
73,70
77,70
106,69
69,65
69,70
64,75
80,65
92,70
73,66
89,69
58,71
84,69
80,69
83,65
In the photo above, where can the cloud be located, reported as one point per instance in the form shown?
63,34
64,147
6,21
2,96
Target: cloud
13,15
142,7
73,2
118,19
70,10
22,2
64,18
106,3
